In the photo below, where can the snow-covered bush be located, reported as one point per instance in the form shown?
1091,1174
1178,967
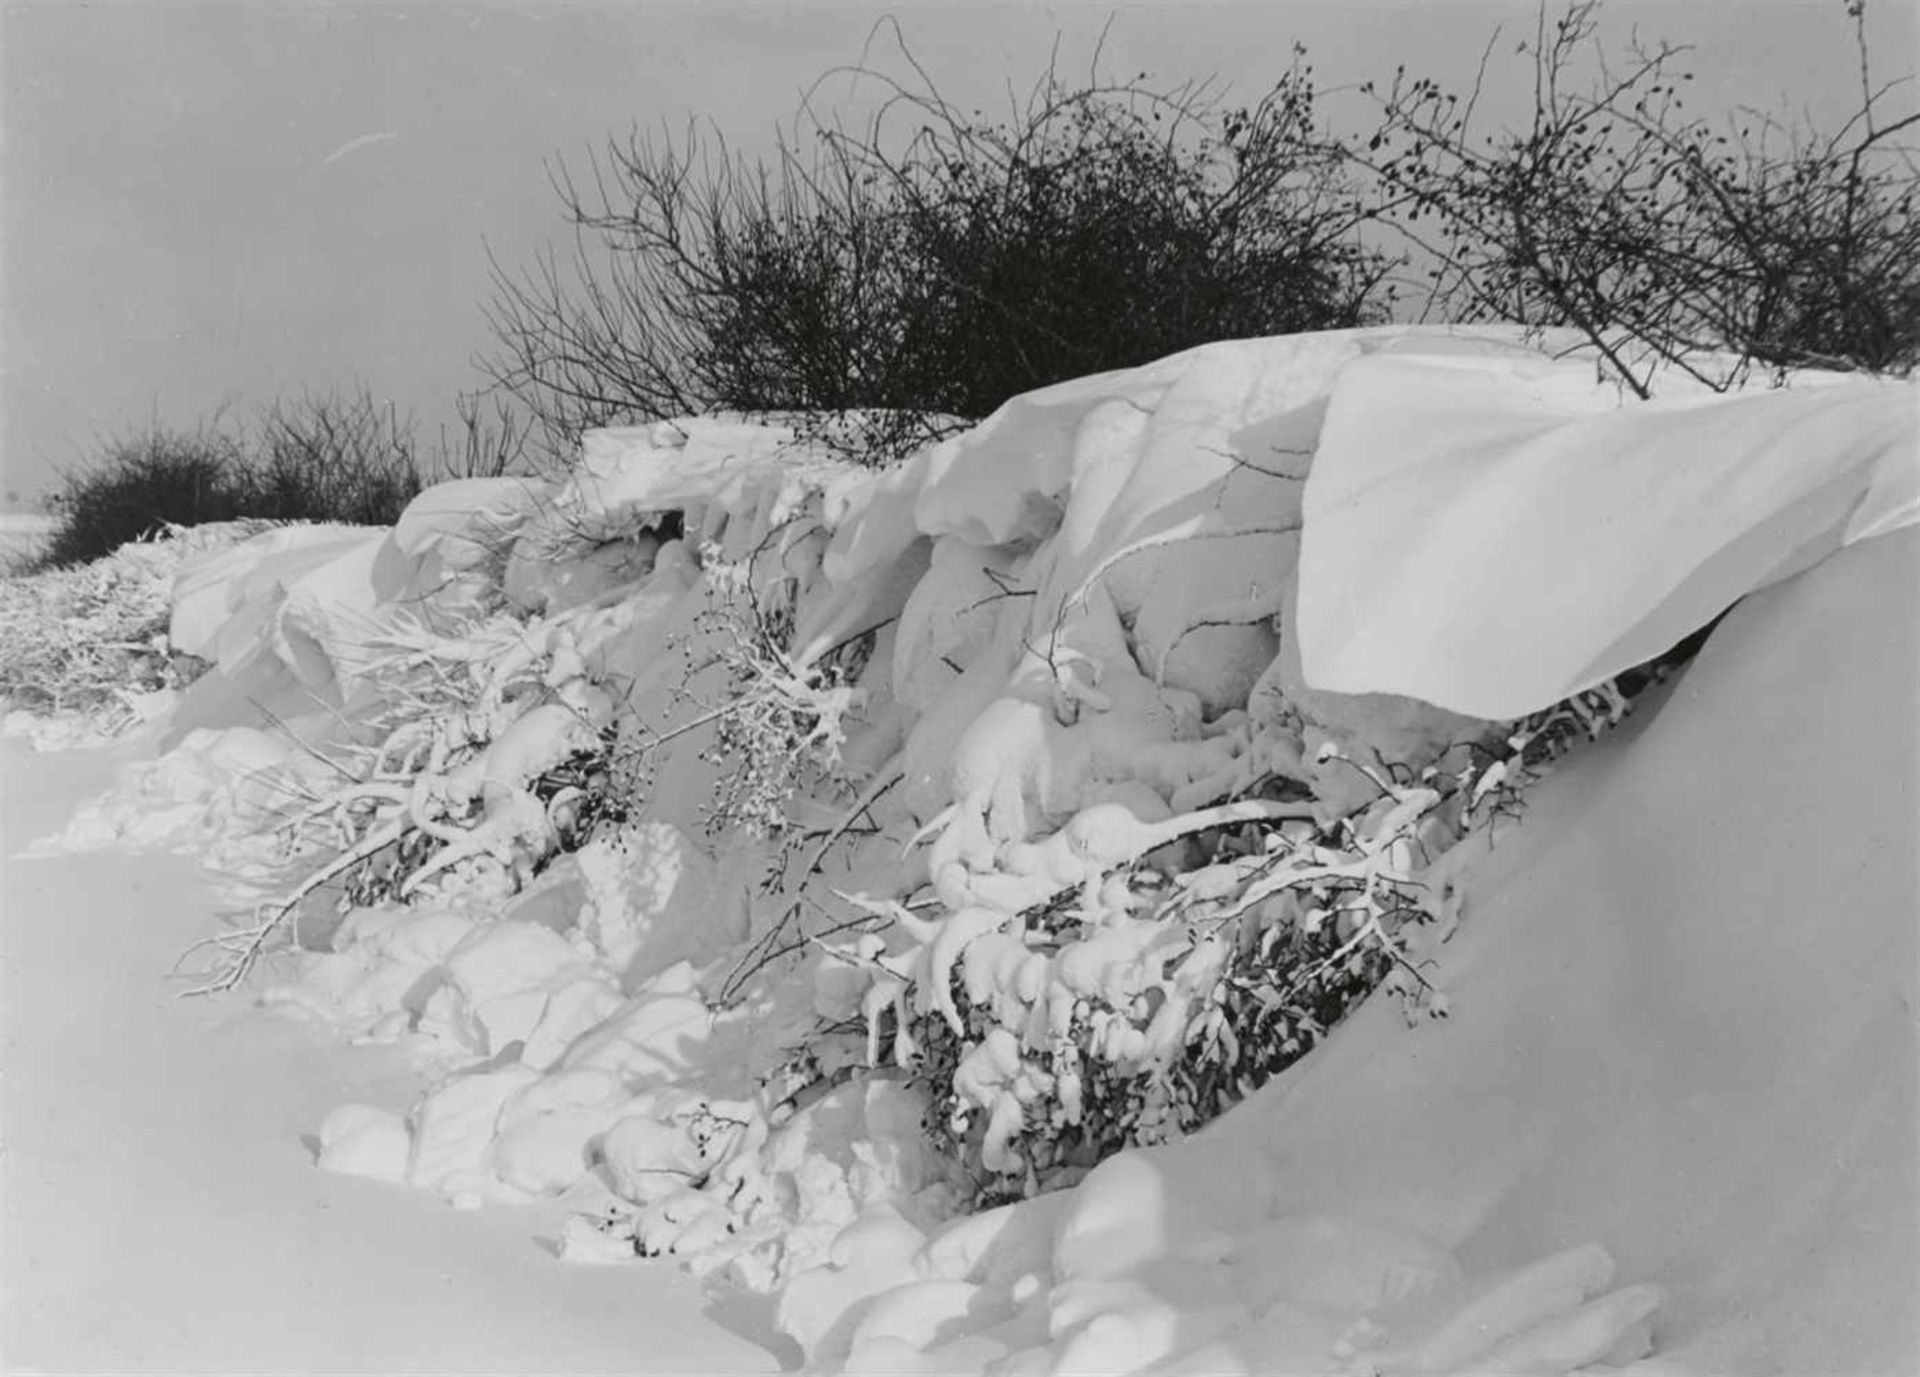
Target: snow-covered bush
957,835
475,776
92,639
779,725
1190,979
815,852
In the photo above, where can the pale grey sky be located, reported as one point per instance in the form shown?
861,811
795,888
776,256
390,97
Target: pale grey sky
208,202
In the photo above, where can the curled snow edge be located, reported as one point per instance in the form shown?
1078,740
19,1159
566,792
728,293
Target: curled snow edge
1546,539
871,727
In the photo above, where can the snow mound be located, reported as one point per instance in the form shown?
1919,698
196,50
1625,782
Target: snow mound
735,826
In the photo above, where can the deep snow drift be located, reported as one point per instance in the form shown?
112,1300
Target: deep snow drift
161,1212
729,828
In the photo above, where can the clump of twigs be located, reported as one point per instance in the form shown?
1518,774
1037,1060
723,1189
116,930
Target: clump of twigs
784,725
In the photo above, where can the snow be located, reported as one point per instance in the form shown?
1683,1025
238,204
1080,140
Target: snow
1703,1061
211,588
1129,653
1544,539
161,1210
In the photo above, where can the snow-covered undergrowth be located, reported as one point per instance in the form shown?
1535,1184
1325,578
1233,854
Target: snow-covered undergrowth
784,858
84,654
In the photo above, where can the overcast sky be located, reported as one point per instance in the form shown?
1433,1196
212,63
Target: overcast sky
208,204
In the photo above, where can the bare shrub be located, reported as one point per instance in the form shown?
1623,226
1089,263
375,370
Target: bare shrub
930,263
1661,237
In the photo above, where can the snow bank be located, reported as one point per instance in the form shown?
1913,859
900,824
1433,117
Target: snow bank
161,1212
948,797
1544,538
1703,1060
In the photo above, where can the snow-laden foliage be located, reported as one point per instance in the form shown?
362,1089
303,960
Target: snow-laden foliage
1139,1004
778,858
476,772
91,641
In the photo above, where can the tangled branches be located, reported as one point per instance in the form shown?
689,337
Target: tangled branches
1664,240
1150,994
931,262
465,779
782,725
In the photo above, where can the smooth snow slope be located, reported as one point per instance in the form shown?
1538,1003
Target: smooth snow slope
161,1212
1683,1008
